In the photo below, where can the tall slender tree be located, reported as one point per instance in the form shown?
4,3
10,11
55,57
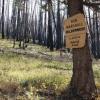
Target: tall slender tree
7,29
58,32
3,4
50,34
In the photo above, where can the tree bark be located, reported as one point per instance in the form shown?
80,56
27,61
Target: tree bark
50,34
58,30
82,86
3,36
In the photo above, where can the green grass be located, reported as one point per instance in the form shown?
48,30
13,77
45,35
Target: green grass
8,44
41,74
37,74
96,68
33,74
20,69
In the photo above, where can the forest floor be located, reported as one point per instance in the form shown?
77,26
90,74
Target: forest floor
34,78
34,50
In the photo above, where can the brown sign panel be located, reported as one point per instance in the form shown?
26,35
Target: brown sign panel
75,31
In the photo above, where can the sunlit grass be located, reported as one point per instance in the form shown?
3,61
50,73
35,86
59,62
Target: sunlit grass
21,69
8,44
41,74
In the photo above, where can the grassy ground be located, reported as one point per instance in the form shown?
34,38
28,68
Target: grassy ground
18,72
33,73
22,77
31,47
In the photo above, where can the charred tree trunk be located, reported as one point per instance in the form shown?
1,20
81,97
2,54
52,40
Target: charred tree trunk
50,34
3,36
40,22
13,22
82,86
59,37
45,28
97,31
7,29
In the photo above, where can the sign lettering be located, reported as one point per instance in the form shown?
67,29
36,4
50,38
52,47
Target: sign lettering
75,31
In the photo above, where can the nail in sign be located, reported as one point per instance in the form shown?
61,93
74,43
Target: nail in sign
75,31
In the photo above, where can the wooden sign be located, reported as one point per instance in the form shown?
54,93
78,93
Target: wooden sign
75,29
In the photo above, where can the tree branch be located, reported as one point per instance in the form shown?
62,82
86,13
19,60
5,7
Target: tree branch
91,4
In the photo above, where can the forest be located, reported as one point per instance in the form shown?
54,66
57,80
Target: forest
35,60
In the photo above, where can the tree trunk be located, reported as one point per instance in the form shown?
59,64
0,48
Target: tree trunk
58,31
82,86
50,34
3,19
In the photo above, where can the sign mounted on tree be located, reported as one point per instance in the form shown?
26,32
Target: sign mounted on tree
75,31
